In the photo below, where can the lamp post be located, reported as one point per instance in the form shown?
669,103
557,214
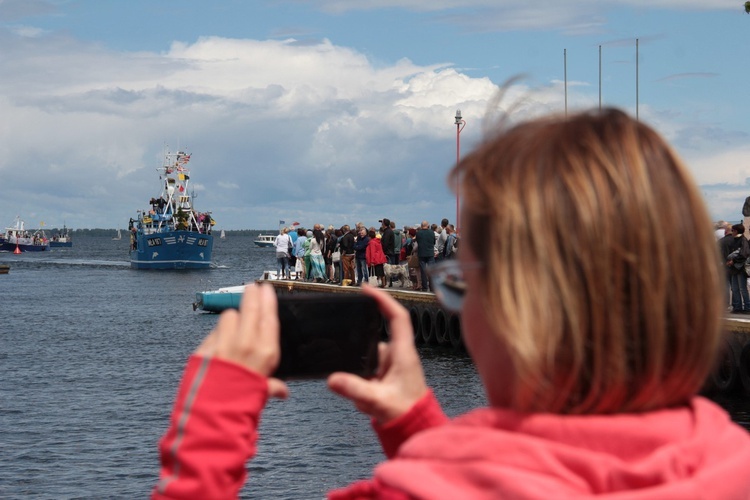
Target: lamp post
460,124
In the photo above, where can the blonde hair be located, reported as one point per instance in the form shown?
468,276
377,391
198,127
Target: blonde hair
602,275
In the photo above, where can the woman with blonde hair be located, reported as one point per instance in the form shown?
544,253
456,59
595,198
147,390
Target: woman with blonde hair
590,291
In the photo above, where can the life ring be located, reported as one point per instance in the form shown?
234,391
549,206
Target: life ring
416,324
744,368
725,374
454,331
428,327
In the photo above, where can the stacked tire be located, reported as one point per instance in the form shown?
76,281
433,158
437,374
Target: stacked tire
731,373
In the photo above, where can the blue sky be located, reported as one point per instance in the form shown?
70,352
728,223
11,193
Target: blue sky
338,111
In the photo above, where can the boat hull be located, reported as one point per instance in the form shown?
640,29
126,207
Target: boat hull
219,300
229,297
172,250
263,244
11,247
61,244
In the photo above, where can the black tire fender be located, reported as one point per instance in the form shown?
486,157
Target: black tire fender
744,368
725,375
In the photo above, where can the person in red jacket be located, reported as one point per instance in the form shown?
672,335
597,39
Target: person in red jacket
590,291
376,257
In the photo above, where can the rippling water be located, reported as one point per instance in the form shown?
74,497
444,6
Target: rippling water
92,352
91,356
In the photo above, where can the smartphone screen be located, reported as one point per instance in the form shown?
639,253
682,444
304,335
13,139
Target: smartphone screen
326,333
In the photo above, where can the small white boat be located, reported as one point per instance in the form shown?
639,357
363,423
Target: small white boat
228,297
223,234
62,239
265,240
119,235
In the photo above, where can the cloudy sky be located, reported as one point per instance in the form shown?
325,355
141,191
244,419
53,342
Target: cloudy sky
337,111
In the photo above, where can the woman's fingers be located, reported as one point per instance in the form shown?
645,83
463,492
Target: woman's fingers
222,336
249,310
249,337
350,386
396,315
400,380
277,388
266,336
384,360
268,324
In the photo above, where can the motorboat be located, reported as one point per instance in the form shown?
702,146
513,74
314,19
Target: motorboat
17,239
265,240
63,239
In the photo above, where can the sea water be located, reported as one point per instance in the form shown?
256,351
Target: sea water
91,355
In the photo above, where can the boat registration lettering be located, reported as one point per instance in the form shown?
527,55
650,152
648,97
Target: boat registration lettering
154,242
203,242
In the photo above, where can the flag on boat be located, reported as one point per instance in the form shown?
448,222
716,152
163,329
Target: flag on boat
295,223
282,222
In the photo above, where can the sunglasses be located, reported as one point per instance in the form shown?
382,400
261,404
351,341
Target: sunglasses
447,278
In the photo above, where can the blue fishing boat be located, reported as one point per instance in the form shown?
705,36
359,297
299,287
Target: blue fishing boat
172,234
17,239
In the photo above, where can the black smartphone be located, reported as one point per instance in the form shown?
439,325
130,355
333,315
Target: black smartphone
326,333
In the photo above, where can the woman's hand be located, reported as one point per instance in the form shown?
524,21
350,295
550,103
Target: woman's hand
400,381
250,337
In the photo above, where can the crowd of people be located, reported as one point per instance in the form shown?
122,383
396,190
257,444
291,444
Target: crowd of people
350,255
590,291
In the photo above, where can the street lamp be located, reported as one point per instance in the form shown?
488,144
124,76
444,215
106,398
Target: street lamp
460,124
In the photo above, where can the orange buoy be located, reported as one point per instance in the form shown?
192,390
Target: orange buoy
17,250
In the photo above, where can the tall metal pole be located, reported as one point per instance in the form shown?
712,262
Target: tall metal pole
636,79
460,124
600,77
565,64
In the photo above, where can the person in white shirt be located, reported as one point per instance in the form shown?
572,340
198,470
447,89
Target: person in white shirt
282,243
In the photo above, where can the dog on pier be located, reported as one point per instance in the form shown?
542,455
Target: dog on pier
397,272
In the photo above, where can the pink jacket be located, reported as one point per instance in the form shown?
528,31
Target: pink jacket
693,451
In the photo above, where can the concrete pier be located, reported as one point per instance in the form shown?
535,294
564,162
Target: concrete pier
431,323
